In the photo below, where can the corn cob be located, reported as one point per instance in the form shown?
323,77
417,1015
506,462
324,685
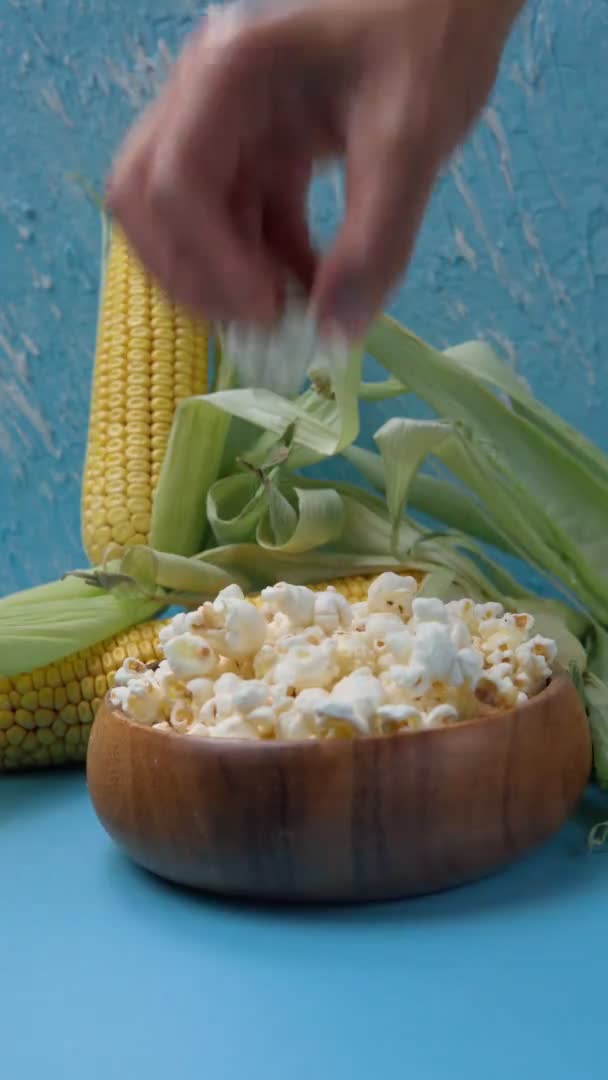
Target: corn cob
46,715
150,355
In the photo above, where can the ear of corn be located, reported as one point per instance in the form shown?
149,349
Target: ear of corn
46,714
150,356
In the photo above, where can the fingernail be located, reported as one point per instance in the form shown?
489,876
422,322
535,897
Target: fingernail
348,315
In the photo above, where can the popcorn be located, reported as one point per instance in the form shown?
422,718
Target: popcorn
483,612
305,666
130,669
171,686
521,622
244,629
440,716
225,692
142,700
308,665
182,715
460,634
251,695
201,690
354,650
332,611
429,610
355,701
190,656
395,717
398,646
496,688
296,602
360,612
392,593
196,728
462,611
435,653
380,626
299,721
233,727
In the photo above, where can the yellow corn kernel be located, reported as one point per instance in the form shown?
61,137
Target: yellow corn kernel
150,354
51,724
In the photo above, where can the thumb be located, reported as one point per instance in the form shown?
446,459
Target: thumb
388,184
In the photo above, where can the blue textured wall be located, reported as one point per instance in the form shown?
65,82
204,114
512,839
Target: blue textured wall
515,247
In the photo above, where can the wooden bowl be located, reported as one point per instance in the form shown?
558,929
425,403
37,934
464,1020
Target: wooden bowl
372,818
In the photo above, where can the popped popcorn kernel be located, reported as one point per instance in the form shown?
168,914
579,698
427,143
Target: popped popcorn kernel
393,593
304,663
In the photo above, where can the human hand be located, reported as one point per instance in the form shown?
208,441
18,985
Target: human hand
211,184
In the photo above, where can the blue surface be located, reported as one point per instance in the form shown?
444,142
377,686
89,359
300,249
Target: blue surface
101,967
107,971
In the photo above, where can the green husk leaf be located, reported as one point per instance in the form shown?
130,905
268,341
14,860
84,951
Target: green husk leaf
404,444
515,513
253,567
381,391
480,359
191,465
318,520
572,500
332,403
458,509
454,506
367,526
161,570
43,625
235,505
280,522
439,584
321,427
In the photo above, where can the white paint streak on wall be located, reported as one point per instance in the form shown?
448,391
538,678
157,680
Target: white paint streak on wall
12,393
557,288
51,98
16,357
142,76
496,259
464,248
561,297
30,345
494,123
41,43
504,345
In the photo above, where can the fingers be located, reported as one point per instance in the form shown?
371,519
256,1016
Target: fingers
173,191
286,229
390,170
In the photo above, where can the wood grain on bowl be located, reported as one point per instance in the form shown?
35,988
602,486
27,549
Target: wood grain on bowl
359,819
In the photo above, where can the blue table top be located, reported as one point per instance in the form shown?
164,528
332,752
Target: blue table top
106,969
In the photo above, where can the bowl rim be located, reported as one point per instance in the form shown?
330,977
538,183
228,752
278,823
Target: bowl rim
559,681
